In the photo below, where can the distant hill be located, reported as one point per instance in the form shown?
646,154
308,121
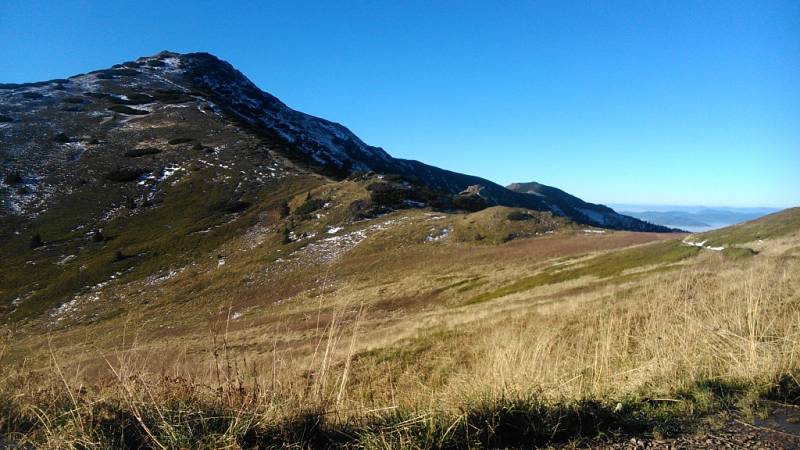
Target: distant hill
771,226
694,218
568,205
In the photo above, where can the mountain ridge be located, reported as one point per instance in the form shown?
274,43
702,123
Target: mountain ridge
156,163
318,144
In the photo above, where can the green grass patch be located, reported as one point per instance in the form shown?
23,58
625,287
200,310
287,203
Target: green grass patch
739,253
774,225
604,266
158,237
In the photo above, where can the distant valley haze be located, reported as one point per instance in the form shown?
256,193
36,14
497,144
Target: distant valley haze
693,218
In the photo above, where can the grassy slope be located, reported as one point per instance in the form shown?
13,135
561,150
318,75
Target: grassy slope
187,224
577,323
769,227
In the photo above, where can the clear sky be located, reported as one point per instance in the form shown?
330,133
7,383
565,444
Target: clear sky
673,102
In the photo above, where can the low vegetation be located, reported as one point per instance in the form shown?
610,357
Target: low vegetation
122,109
126,174
655,339
138,152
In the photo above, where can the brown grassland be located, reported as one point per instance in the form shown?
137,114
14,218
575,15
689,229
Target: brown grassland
396,342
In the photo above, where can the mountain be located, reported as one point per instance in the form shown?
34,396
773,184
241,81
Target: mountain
108,119
670,218
570,206
153,163
186,262
699,218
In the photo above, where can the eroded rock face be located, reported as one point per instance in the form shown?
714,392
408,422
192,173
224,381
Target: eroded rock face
475,189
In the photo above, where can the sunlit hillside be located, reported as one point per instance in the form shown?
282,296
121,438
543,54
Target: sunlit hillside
420,329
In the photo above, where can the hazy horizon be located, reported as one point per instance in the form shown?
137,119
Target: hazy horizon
663,207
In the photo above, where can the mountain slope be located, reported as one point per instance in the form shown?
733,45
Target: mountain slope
66,113
154,163
771,226
573,207
699,219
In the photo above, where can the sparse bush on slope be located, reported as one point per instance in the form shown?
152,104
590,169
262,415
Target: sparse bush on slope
138,152
122,109
126,174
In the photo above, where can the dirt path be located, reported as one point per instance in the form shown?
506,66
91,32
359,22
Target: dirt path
779,431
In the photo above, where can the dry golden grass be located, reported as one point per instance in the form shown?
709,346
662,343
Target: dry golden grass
398,358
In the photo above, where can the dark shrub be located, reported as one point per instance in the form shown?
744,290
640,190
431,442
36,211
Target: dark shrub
13,178
361,209
119,256
5,119
197,146
137,152
122,109
170,96
388,194
309,206
283,210
124,72
230,206
178,141
32,95
125,174
117,100
518,216
470,202
97,236
509,237
78,100
786,389
156,63
359,175
36,241
110,74
137,98
61,138
132,99
95,94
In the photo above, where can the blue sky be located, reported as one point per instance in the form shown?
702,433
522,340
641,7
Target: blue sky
673,102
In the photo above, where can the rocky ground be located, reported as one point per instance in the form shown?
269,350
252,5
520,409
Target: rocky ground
780,430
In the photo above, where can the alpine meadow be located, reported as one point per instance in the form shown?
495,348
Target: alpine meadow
186,261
